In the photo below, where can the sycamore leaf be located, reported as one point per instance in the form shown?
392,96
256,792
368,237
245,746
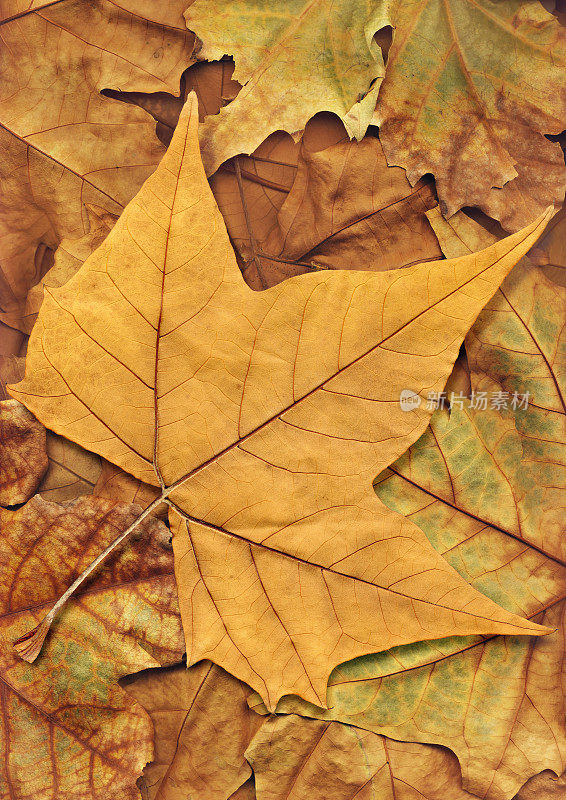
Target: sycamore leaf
348,209
264,434
202,726
72,471
550,252
23,459
485,485
62,142
294,59
116,484
69,732
294,758
469,91
69,256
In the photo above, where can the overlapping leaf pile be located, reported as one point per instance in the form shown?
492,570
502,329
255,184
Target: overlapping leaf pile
295,572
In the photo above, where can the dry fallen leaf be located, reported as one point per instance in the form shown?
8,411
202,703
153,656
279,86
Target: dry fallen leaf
69,256
348,210
72,471
294,758
469,92
23,459
294,61
69,732
63,143
174,370
485,485
114,483
202,726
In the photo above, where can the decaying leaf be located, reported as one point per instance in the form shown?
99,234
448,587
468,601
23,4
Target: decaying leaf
114,483
202,726
23,458
69,732
72,471
62,142
294,758
469,91
348,210
69,256
264,433
294,61
550,252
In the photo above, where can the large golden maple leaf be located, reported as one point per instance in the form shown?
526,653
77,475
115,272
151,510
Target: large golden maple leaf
264,417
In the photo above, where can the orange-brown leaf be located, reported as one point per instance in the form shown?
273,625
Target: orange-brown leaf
23,457
202,726
295,758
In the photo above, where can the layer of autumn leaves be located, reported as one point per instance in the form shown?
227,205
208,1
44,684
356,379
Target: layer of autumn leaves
443,709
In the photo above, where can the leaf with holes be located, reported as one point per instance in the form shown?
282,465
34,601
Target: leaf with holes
264,417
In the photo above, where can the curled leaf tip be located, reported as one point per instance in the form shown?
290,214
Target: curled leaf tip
29,645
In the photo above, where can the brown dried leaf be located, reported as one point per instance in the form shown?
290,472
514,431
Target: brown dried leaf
63,143
69,731
295,758
23,459
469,92
72,471
202,725
348,210
249,191
115,484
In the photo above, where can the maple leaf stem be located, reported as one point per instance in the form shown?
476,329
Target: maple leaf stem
29,645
